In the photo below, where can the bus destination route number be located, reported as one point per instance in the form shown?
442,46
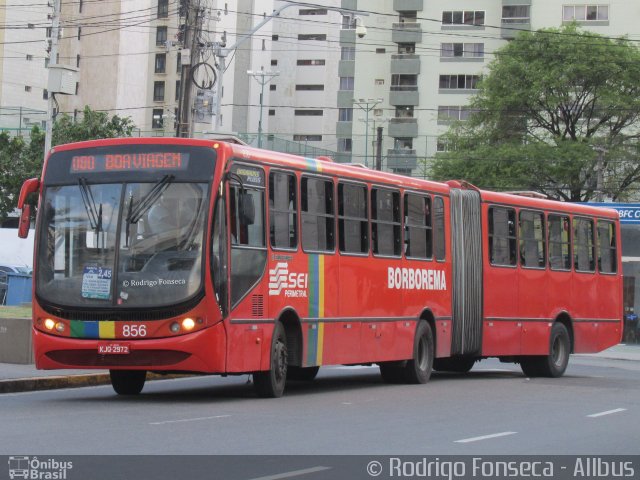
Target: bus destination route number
124,162
105,348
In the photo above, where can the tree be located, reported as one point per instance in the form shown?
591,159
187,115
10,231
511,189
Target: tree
20,159
557,112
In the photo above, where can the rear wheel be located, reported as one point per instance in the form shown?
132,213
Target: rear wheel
302,374
418,369
270,384
128,382
554,364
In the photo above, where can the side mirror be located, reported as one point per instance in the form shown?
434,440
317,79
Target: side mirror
247,209
25,222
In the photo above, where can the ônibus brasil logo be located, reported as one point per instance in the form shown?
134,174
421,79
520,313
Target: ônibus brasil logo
38,469
293,284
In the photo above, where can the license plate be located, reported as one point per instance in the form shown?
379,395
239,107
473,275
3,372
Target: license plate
113,349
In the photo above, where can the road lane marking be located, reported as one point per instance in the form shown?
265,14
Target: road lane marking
608,412
295,473
485,437
165,422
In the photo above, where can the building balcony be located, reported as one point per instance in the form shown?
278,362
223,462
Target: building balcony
408,5
347,68
403,127
402,159
344,129
406,32
405,63
511,27
400,95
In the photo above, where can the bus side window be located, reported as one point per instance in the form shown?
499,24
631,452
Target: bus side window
583,246
385,222
438,229
353,218
607,257
532,239
318,215
418,225
502,236
283,210
559,252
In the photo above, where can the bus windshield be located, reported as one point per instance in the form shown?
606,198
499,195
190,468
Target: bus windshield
116,242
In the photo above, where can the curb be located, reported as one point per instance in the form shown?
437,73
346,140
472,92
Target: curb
16,385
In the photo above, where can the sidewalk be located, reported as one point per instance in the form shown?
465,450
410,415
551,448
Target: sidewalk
24,378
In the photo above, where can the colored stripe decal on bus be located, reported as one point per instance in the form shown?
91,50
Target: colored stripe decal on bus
315,339
86,329
314,164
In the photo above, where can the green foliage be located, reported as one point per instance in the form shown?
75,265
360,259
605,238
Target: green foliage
551,102
21,159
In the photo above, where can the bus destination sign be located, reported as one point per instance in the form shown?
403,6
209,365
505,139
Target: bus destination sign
125,162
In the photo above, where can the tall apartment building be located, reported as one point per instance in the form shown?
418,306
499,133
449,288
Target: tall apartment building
23,77
421,59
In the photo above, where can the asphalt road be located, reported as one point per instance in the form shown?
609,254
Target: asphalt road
593,410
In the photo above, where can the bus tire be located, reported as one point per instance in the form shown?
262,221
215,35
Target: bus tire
128,382
393,372
457,364
418,369
270,384
554,364
302,374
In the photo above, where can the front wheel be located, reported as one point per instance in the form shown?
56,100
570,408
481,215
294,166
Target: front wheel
270,384
302,374
128,382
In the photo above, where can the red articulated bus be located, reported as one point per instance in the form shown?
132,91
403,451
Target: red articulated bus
182,255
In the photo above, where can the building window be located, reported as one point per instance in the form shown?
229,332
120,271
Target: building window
467,50
459,82
179,62
403,111
27,88
312,11
307,138
80,6
31,26
272,112
163,8
515,14
274,62
310,62
158,91
346,84
345,114
403,143
29,57
308,113
78,61
156,120
318,217
161,62
463,17
79,32
344,144
585,13
45,94
406,48
77,87
448,114
177,90
348,23
348,53
403,82
312,36
379,81
381,50
309,87
377,112
272,87
161,36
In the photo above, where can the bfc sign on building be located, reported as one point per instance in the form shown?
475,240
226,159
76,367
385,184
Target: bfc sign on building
629,212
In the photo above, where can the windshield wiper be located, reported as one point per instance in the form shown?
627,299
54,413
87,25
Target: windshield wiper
94,214
135,214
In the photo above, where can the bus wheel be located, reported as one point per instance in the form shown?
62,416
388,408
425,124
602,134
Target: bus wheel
270,384
418,369
457,365
393,372
128,382
554,364
300,374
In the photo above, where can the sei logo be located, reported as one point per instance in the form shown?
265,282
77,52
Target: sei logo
293,284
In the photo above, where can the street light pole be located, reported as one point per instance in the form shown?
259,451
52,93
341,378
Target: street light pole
367,105
263,78
221,51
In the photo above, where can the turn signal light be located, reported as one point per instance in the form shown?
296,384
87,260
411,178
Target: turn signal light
188,324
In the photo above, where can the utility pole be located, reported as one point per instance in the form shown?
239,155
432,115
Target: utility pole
600,174
190,33
263,78
367,105
379,149
53,60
